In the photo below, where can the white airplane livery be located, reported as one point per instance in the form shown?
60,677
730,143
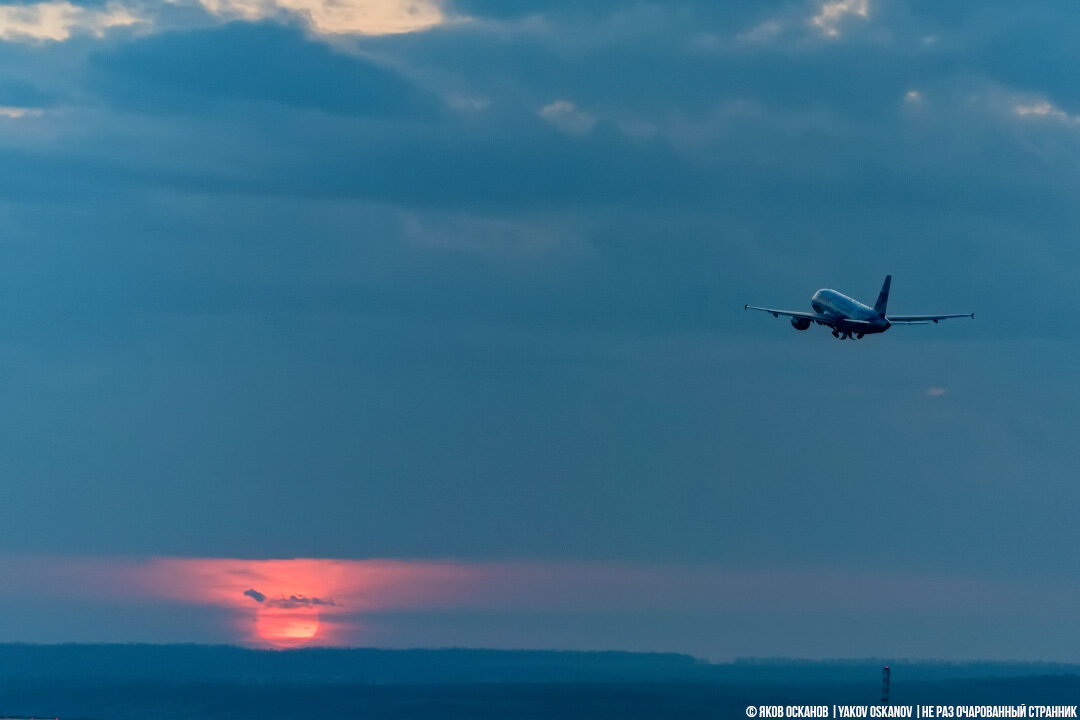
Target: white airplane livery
849,318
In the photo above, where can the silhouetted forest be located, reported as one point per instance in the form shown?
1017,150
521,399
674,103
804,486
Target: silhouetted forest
182,681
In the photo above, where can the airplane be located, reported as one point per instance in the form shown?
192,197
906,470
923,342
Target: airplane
848,317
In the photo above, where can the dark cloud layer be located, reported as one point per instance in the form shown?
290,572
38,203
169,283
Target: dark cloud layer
477,292
246,64
292,601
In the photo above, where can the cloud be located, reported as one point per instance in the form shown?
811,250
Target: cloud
1043,109
339,17
20,112
469,104
486,237
301,601
261,244
761,33
58,21
255,595
292,601
246,63
833,13
564,115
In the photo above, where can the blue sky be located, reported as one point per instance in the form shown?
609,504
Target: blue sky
464,281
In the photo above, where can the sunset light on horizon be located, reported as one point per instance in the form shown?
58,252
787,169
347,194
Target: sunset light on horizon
287,603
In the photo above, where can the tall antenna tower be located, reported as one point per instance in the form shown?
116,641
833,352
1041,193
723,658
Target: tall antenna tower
885,685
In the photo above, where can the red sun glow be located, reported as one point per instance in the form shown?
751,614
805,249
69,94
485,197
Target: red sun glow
288,603
287,626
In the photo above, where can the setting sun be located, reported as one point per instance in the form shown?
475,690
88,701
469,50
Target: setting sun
287,626
296,601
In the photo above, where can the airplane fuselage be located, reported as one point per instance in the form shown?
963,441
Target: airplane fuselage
839,307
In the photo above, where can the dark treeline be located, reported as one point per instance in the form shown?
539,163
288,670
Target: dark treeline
224,663
151,681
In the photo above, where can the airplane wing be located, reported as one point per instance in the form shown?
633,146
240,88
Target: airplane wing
813,317
923,319
790,313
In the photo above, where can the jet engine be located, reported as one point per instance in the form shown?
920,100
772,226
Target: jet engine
800,323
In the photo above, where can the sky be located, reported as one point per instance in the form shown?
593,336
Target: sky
433,311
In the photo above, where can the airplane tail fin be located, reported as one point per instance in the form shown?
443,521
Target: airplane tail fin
883,297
